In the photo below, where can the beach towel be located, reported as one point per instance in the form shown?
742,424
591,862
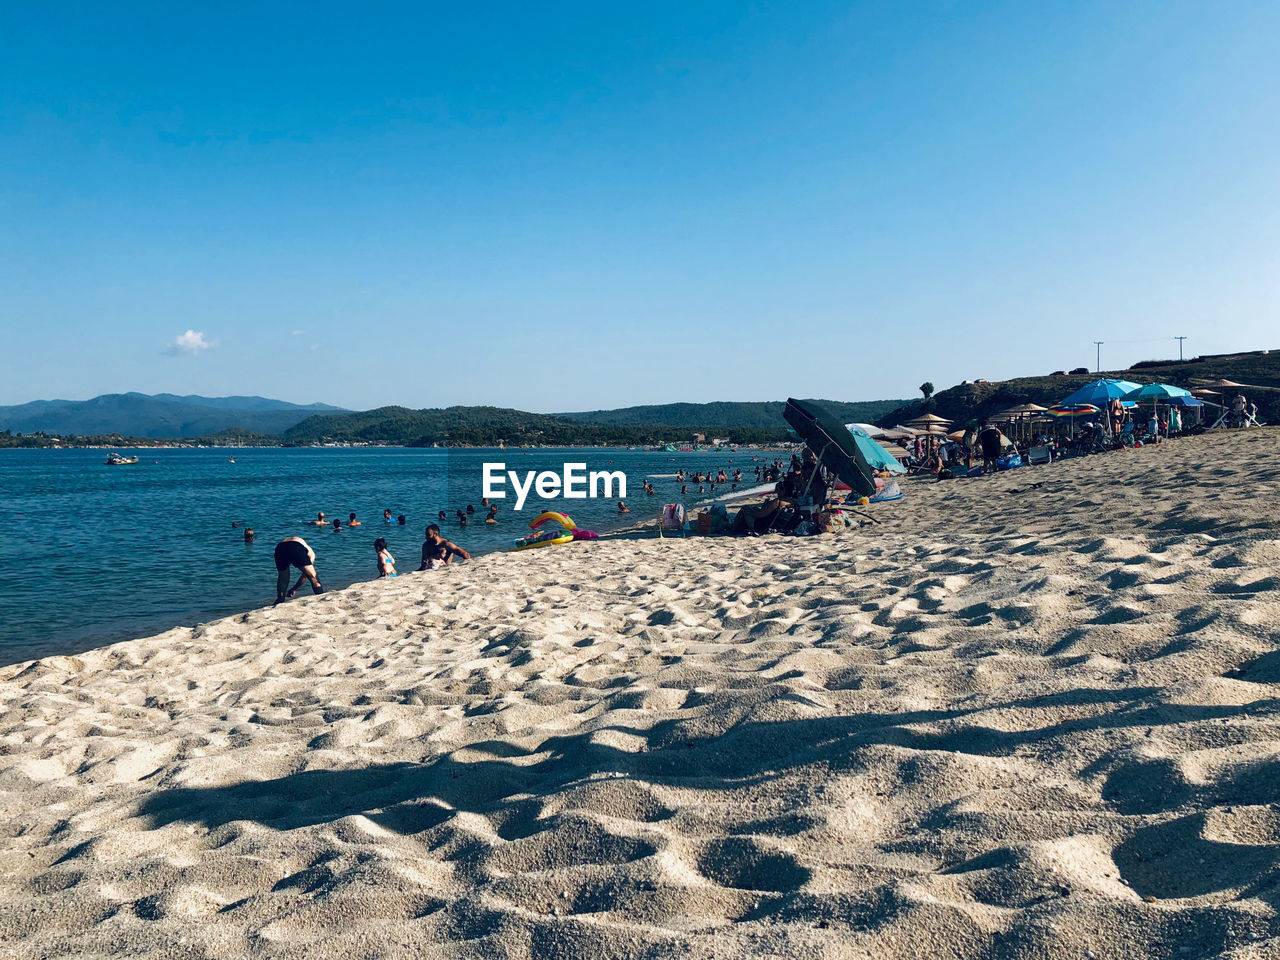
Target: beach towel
673,516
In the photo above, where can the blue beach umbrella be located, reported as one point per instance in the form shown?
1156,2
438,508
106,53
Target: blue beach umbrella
1156,392
877,456
1101,392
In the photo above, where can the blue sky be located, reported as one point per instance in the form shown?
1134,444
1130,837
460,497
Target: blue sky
562,207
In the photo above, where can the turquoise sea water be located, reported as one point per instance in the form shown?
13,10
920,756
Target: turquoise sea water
92,554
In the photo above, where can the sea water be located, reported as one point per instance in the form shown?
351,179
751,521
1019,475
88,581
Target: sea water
91,554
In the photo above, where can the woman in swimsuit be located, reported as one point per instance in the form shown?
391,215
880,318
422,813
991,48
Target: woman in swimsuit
386,562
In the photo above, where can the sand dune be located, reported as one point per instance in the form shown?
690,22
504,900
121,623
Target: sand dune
1028,716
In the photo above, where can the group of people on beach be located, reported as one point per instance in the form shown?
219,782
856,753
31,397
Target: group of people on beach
294,553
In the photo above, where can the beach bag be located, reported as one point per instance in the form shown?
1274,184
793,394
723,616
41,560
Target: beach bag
1011,462
704,522
786,519
720,522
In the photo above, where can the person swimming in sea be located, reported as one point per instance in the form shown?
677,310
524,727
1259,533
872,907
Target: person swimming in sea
337,525
319,521
295,552
352,521
386,562
470,509
387,517
622,507
442,516
493,514
437,551
249,535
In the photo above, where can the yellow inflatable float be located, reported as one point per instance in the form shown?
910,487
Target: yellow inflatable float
544,535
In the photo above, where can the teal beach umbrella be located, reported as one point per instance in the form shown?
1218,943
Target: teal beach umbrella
877,456
1100,392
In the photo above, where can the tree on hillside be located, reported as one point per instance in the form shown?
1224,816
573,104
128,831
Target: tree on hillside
927,389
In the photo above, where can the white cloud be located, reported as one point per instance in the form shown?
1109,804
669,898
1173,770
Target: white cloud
190,343
297,333
315,346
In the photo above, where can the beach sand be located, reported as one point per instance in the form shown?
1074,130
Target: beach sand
1028,716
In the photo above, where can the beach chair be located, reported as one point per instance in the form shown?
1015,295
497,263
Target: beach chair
671,520
1039,454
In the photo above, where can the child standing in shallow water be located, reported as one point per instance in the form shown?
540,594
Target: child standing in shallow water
386,562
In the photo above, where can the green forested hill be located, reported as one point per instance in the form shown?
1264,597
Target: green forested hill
741,422
729,414
487,425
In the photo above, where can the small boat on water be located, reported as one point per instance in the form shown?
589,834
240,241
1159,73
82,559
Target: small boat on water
116,460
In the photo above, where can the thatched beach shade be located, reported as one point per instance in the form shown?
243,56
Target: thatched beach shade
927,419
895,433
1020,410
1232,385
1021,414
1207,393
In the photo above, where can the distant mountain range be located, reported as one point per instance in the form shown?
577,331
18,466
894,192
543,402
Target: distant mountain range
163,415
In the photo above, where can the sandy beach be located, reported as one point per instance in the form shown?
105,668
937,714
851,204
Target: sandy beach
1028,716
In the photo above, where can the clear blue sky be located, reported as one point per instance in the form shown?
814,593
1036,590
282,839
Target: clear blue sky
561,207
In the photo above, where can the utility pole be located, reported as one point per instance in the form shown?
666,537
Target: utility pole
1179,339
1098,344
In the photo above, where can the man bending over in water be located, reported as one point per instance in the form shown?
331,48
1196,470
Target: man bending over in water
294,552
438,551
